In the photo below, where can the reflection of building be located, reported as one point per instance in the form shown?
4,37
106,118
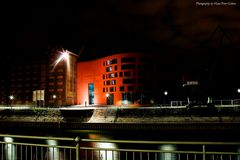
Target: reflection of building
126,78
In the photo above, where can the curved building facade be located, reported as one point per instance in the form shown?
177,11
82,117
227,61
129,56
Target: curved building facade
120,79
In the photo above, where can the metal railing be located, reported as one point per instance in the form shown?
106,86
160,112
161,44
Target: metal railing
219,103
16,147
19,147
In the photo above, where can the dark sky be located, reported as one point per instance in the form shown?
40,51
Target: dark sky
161,26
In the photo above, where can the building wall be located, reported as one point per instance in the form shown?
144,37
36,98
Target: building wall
20,78
61,80
128,77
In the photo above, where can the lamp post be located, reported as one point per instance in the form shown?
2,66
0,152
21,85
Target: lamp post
54,99
11,97
165,96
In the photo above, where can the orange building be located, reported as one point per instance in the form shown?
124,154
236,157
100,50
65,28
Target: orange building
120,79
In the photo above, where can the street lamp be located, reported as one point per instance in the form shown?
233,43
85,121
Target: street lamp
11,97
166,93
238,90
54,98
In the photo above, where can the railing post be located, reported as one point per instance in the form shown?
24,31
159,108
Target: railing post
204,152
77,139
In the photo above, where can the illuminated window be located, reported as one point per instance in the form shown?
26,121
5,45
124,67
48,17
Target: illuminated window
112,61
58,77
109,69
60,83
111,75
113,82
60,90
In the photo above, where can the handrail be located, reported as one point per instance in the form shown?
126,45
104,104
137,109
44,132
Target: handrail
161,142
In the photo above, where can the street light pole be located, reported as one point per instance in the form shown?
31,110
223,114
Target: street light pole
54,99
11,97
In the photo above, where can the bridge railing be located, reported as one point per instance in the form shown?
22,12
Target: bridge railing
16,147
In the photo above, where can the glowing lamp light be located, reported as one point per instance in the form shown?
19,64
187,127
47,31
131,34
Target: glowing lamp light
54,96
165,93
238,90
11,97
107,95
64,56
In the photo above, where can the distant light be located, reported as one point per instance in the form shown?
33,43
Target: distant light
107,95
165,93
238,90
11,97
125,102
54,96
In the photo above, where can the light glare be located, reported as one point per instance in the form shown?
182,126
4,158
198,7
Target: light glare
64,56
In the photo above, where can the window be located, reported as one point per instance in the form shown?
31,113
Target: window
128,66
112,89
116,74
113,82
121,88
111,75
108,82
128,59
127,74
120,74
112,61
103,90
103,76
129,81
130,88
115,68
109,69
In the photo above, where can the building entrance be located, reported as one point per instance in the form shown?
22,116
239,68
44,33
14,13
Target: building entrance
110,99
91,93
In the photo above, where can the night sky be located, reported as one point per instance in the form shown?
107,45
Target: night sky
203,38
108,26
